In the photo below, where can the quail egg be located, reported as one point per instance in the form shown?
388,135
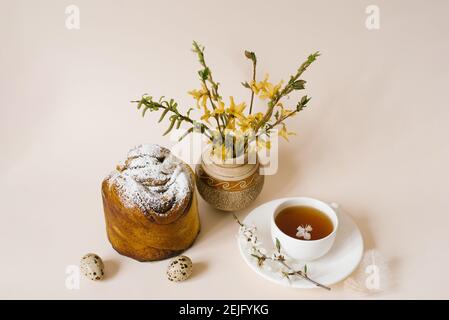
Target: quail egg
92,266
179,269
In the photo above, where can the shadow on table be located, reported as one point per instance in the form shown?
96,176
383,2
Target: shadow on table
111,267
199,268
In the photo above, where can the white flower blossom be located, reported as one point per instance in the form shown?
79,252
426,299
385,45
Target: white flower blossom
304,232
244,229
249,236
276,255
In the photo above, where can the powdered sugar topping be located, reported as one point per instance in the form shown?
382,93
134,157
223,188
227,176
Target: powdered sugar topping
154,180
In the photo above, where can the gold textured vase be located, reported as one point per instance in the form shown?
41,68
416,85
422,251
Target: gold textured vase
231,185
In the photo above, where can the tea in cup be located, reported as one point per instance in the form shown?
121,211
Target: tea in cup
305,227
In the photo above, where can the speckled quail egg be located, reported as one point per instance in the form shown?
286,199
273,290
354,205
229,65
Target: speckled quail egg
92,266
179,269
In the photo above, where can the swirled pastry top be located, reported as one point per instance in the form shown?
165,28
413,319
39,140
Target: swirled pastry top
155,181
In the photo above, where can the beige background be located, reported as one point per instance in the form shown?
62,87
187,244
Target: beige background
375,137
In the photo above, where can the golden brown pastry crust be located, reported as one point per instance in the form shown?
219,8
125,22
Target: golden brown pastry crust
142,236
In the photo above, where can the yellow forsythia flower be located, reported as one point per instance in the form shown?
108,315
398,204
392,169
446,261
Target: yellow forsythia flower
265,89
258,86
255,118
284,133
287,113
231,124
236,110
198,95
206,114
219,109
222,152
270,90
250,122
204,101
263,144
245,124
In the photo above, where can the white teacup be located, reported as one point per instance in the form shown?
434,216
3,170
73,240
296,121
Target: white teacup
304,249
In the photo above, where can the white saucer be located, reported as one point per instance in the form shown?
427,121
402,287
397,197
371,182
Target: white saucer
335,266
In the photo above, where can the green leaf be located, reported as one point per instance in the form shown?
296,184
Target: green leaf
251,55
178,124
163,114
188,112
197,47
304,100
302,103
278,245
145,110
311,58
185,134
204,74
246,85
305,269
298,84
172,123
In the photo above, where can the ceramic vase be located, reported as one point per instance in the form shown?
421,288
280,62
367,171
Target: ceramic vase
229,185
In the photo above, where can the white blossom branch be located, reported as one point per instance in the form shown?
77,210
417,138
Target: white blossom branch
250,236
